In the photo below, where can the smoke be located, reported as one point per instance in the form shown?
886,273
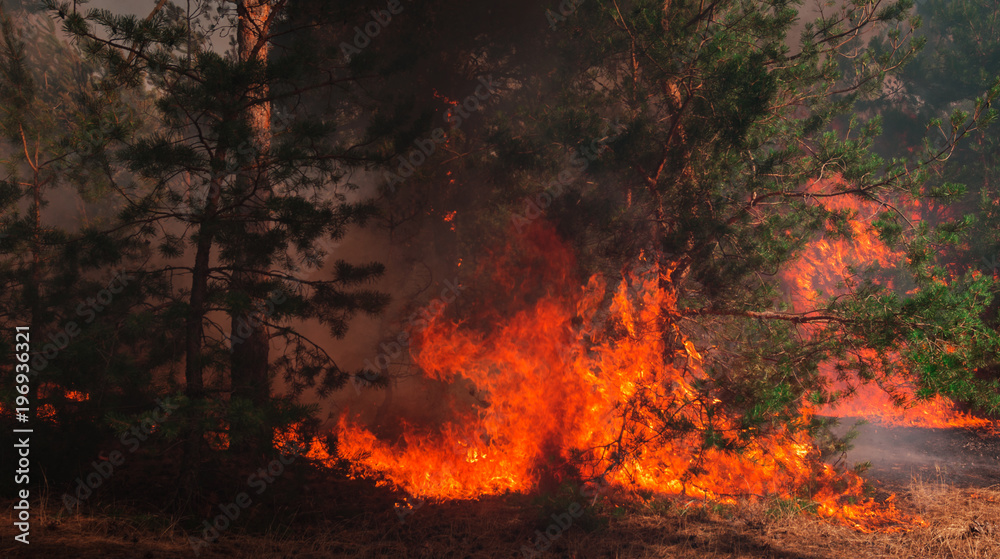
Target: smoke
898,455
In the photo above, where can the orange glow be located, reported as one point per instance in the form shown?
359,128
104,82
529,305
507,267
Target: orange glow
450,218
294,441
582,384
820,273
50,390
218,440
47,390
443,97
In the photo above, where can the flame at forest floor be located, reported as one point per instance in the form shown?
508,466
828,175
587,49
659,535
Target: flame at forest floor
819,273
576,386
872,403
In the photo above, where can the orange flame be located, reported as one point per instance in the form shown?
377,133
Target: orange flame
573,385
819,273
49,412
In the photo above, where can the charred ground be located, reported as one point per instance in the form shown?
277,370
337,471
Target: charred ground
947,477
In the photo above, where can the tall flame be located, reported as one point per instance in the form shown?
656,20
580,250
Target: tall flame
564,389
819,272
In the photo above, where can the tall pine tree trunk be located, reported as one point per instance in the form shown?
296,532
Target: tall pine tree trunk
192,433
251,339
34,291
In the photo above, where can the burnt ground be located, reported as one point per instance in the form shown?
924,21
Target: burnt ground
956,524
312,514
964,458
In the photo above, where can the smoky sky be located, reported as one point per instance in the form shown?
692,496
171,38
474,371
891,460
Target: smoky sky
138,7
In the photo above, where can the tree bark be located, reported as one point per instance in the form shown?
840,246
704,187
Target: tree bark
251,339
191,432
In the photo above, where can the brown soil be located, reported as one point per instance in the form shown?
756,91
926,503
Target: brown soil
960,457
947,477
961,523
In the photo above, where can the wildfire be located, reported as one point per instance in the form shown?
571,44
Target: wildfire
294,441
565,389
48,412
818,273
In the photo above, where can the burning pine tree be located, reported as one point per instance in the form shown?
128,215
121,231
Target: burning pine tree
684,248
720,154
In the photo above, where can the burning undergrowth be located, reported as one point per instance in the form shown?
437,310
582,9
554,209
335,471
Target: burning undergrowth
828,268
592,383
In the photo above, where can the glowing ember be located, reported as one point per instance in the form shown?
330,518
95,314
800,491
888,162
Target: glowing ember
218,440
577,386
47,390
76,396
293,441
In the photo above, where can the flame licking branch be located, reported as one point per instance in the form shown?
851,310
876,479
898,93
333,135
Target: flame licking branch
568,389
819,272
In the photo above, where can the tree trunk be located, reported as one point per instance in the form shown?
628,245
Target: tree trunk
250,336
192,434
34,291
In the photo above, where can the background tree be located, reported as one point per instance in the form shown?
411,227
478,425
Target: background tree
952,73
235,208
55,264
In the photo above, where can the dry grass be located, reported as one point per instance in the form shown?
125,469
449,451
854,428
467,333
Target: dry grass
960,523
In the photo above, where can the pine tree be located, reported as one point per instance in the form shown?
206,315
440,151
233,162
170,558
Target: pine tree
728,118
249,366
700,128
54,263
238,206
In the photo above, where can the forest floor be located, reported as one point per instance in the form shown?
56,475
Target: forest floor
949,478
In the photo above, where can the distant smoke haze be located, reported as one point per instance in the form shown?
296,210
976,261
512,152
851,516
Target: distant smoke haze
404,277
143,8
139,7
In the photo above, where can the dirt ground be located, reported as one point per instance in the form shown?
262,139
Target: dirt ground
961,457
947,478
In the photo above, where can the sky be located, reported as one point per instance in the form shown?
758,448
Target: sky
142,7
